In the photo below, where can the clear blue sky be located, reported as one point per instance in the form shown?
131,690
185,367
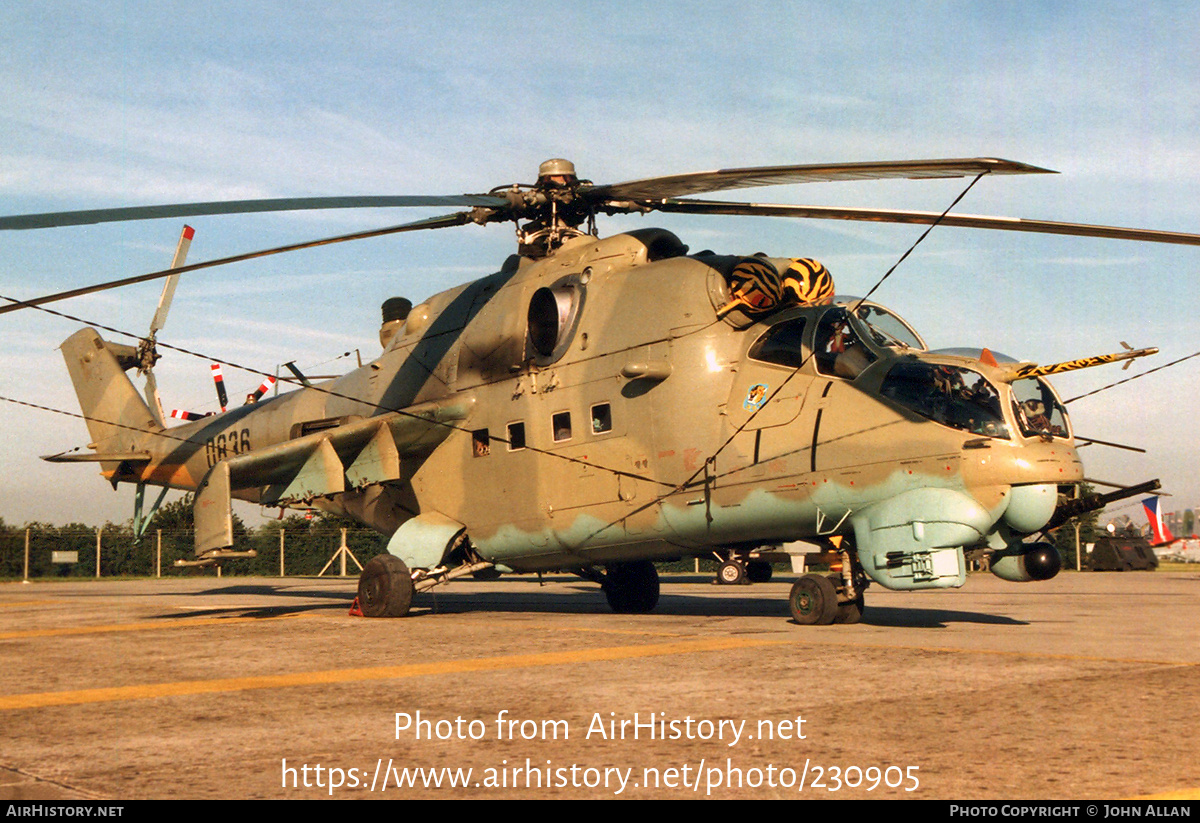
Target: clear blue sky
129,103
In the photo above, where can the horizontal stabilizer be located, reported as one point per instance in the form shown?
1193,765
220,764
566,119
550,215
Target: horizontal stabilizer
110,457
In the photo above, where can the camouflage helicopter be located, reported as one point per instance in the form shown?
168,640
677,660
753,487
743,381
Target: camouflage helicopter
598,404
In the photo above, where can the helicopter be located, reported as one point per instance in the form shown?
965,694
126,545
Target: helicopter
598,404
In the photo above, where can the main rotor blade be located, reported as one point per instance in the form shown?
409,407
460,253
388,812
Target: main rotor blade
971,221
81,218
456,219
660,188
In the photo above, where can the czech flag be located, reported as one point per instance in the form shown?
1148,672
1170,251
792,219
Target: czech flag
1154,514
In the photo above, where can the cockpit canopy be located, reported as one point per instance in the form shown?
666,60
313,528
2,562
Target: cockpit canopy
886,327
951,395
962,398
1037,409
838,346
844,339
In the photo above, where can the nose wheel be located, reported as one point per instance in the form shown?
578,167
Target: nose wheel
740,571
732,573
813,600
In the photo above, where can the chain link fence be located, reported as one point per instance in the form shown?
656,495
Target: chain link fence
291,547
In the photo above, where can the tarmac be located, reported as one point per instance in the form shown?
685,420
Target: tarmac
1083,687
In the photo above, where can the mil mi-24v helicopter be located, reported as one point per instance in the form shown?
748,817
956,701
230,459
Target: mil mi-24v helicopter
598,404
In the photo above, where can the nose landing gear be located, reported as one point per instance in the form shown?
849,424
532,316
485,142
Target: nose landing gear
815,600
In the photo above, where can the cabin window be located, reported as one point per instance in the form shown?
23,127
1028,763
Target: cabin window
516,436
561,425
601,418
782,344
480,443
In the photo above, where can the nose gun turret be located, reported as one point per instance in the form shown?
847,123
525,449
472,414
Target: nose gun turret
1095,502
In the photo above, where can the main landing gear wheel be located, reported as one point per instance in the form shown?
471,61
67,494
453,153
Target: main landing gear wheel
385,587
813,601
731,573
631,588
758,571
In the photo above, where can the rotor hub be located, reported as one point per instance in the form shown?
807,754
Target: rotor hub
557,172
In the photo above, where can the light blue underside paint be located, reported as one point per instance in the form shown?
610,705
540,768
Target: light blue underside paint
949,518
421,542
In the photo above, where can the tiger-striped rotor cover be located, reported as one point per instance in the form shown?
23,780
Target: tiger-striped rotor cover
808,283
756,287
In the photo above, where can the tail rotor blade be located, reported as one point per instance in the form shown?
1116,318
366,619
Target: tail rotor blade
263,388
152,398
219,381
146,350
168,292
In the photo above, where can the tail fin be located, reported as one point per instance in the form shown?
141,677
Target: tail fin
1161,534
117,416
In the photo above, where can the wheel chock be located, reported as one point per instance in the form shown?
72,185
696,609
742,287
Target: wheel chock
355,609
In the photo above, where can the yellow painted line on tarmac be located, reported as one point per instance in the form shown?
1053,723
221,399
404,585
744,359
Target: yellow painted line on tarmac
338,676
146,625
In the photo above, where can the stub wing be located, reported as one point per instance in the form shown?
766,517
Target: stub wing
321,464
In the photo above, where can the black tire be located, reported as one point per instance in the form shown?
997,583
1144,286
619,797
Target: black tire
385,587
851,611
813,601
731,573
631,588
759,571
